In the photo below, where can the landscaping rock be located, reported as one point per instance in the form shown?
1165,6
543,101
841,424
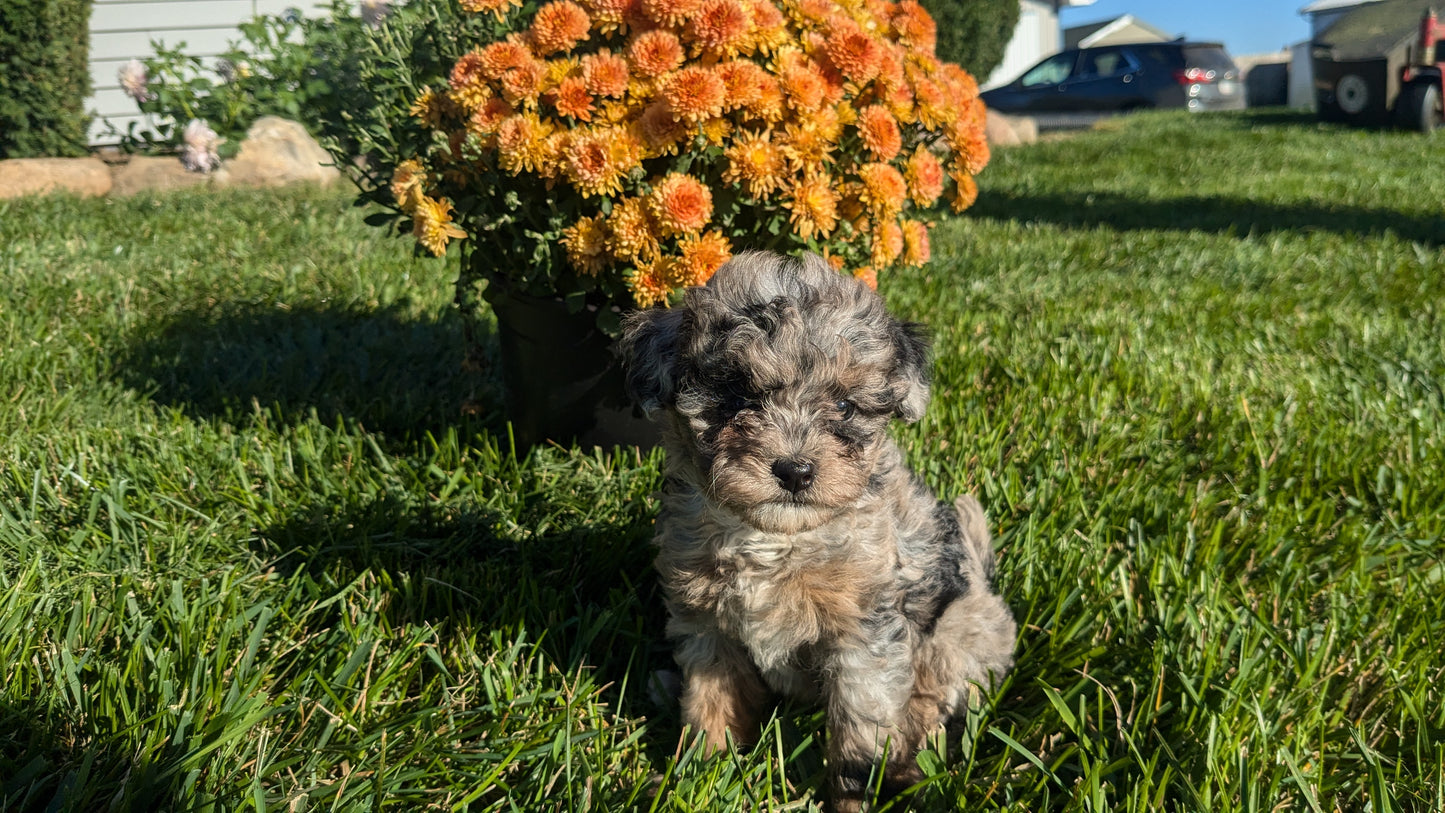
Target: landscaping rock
1008,131
34,176
156,174
278,152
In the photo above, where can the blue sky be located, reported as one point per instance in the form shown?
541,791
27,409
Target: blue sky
1244,26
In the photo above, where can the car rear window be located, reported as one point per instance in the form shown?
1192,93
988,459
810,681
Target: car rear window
1159,56
1211,58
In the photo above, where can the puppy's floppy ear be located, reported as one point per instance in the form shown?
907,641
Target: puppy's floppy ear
649,347
909,377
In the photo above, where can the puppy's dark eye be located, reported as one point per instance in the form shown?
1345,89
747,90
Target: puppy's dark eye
737,403
846,409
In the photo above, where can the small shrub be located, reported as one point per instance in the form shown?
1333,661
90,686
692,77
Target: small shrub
44,77
974,33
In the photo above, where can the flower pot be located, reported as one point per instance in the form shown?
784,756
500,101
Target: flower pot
563,380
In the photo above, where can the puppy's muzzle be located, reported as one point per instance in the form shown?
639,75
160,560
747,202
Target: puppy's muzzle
794,475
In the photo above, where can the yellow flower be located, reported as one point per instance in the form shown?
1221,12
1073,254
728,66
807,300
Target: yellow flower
586,244
755,162
432,224
884,190
406,184
813,206
468,82
631,235
497,7
648,284
886,243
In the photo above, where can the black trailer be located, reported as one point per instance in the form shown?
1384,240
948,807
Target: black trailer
1380,63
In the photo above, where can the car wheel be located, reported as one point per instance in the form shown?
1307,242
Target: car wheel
1419,106
1352,93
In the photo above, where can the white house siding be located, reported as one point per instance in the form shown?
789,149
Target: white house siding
1035,37
121,30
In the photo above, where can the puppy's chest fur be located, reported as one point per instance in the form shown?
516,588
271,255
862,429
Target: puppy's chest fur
780,595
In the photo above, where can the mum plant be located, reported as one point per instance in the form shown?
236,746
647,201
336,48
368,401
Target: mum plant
612,152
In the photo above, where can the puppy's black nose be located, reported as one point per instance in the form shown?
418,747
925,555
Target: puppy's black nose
795,475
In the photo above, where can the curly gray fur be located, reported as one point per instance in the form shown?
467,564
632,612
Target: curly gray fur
798,554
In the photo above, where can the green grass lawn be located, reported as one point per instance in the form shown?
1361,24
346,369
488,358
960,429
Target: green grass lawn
253,555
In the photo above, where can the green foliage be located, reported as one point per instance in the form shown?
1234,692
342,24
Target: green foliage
251,557
44,77
336,73
974,33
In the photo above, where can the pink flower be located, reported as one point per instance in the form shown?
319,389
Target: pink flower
133,81
198,152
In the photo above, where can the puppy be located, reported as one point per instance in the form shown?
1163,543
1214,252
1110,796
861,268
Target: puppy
798,554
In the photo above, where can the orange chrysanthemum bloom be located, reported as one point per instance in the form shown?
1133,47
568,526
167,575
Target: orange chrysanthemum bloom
432,225
854,52
648,284
700,257
961,85
914,26
406,184
814,12
886,243
804,88
586,244
813,206
721,28
660,130
558,26
596,161
523,84
605,74
755,162
868,275
497,7
572,99
522,143
965,192
468,82
916,250
680,204
675,13
631,234
694,94
654,53
485,121
924,174
740,82
971,154
884,190
929,102
500,57
879,132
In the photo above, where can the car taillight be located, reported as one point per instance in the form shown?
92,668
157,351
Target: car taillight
1194,76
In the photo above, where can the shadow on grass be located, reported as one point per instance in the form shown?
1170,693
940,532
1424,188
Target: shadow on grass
585,588
382,370
47,764
1209,214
